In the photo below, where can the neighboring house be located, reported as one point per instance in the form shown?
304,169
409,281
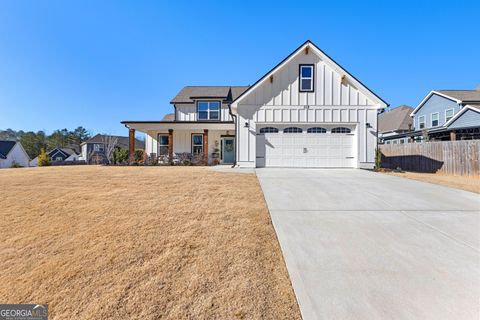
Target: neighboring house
394,124
12,154
59,155
448,115
306,112
93,149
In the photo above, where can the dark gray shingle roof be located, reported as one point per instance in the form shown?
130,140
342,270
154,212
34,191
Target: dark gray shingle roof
67,151
395,119
463,95
5,147
189,93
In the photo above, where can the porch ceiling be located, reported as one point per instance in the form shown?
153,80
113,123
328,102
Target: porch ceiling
144,126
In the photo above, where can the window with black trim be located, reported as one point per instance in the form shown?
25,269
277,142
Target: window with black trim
316,130
163,144
306,75
197,143
341,130
292,130
268,130
208,110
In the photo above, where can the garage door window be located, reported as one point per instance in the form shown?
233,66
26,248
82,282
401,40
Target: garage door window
292,130
316,130
268,130
341,130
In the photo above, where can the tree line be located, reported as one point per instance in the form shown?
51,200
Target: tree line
34,142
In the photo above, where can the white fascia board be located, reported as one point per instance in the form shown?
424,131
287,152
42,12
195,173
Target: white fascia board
267,76
21,148
379,104
428,97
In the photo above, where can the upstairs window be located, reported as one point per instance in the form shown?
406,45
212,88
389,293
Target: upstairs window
98,147
435,118
306,77
208,110
448,114
421,122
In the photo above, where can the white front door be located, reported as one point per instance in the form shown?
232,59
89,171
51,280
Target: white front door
321,150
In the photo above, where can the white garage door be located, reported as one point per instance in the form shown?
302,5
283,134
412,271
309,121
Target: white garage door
323,150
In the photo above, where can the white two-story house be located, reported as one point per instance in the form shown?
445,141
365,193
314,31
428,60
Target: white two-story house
307,111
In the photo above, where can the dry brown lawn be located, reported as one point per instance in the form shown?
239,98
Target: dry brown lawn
471,184
140,242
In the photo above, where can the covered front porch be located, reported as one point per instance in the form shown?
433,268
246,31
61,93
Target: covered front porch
173,142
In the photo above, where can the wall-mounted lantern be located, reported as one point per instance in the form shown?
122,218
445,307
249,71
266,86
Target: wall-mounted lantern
246,125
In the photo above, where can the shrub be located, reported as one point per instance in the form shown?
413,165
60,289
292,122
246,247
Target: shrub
120,156
138,156
43,159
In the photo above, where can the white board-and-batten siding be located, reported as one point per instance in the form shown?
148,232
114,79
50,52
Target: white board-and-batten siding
17,156
277,101
309,114
188,112
330,90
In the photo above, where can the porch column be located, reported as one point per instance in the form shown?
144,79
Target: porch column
205,145
131,145
453,135
170,146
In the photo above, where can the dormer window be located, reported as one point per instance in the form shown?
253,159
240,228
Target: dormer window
208,110
306,77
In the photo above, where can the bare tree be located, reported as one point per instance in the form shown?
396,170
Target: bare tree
109,143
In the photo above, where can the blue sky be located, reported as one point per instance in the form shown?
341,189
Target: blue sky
94,63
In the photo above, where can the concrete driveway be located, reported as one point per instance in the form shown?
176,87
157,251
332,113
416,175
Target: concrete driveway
362,245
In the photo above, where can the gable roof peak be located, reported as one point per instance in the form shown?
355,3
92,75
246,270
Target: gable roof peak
323,56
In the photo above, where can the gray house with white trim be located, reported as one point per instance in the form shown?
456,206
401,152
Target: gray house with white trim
448,115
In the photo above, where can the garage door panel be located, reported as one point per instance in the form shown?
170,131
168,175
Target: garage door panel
309,150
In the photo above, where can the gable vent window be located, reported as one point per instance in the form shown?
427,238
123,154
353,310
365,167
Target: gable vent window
306,77
268,130
316,130
341,130
292,130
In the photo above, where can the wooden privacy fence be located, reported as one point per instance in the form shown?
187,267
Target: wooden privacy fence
448,157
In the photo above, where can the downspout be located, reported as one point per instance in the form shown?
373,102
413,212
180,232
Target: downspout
234,116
